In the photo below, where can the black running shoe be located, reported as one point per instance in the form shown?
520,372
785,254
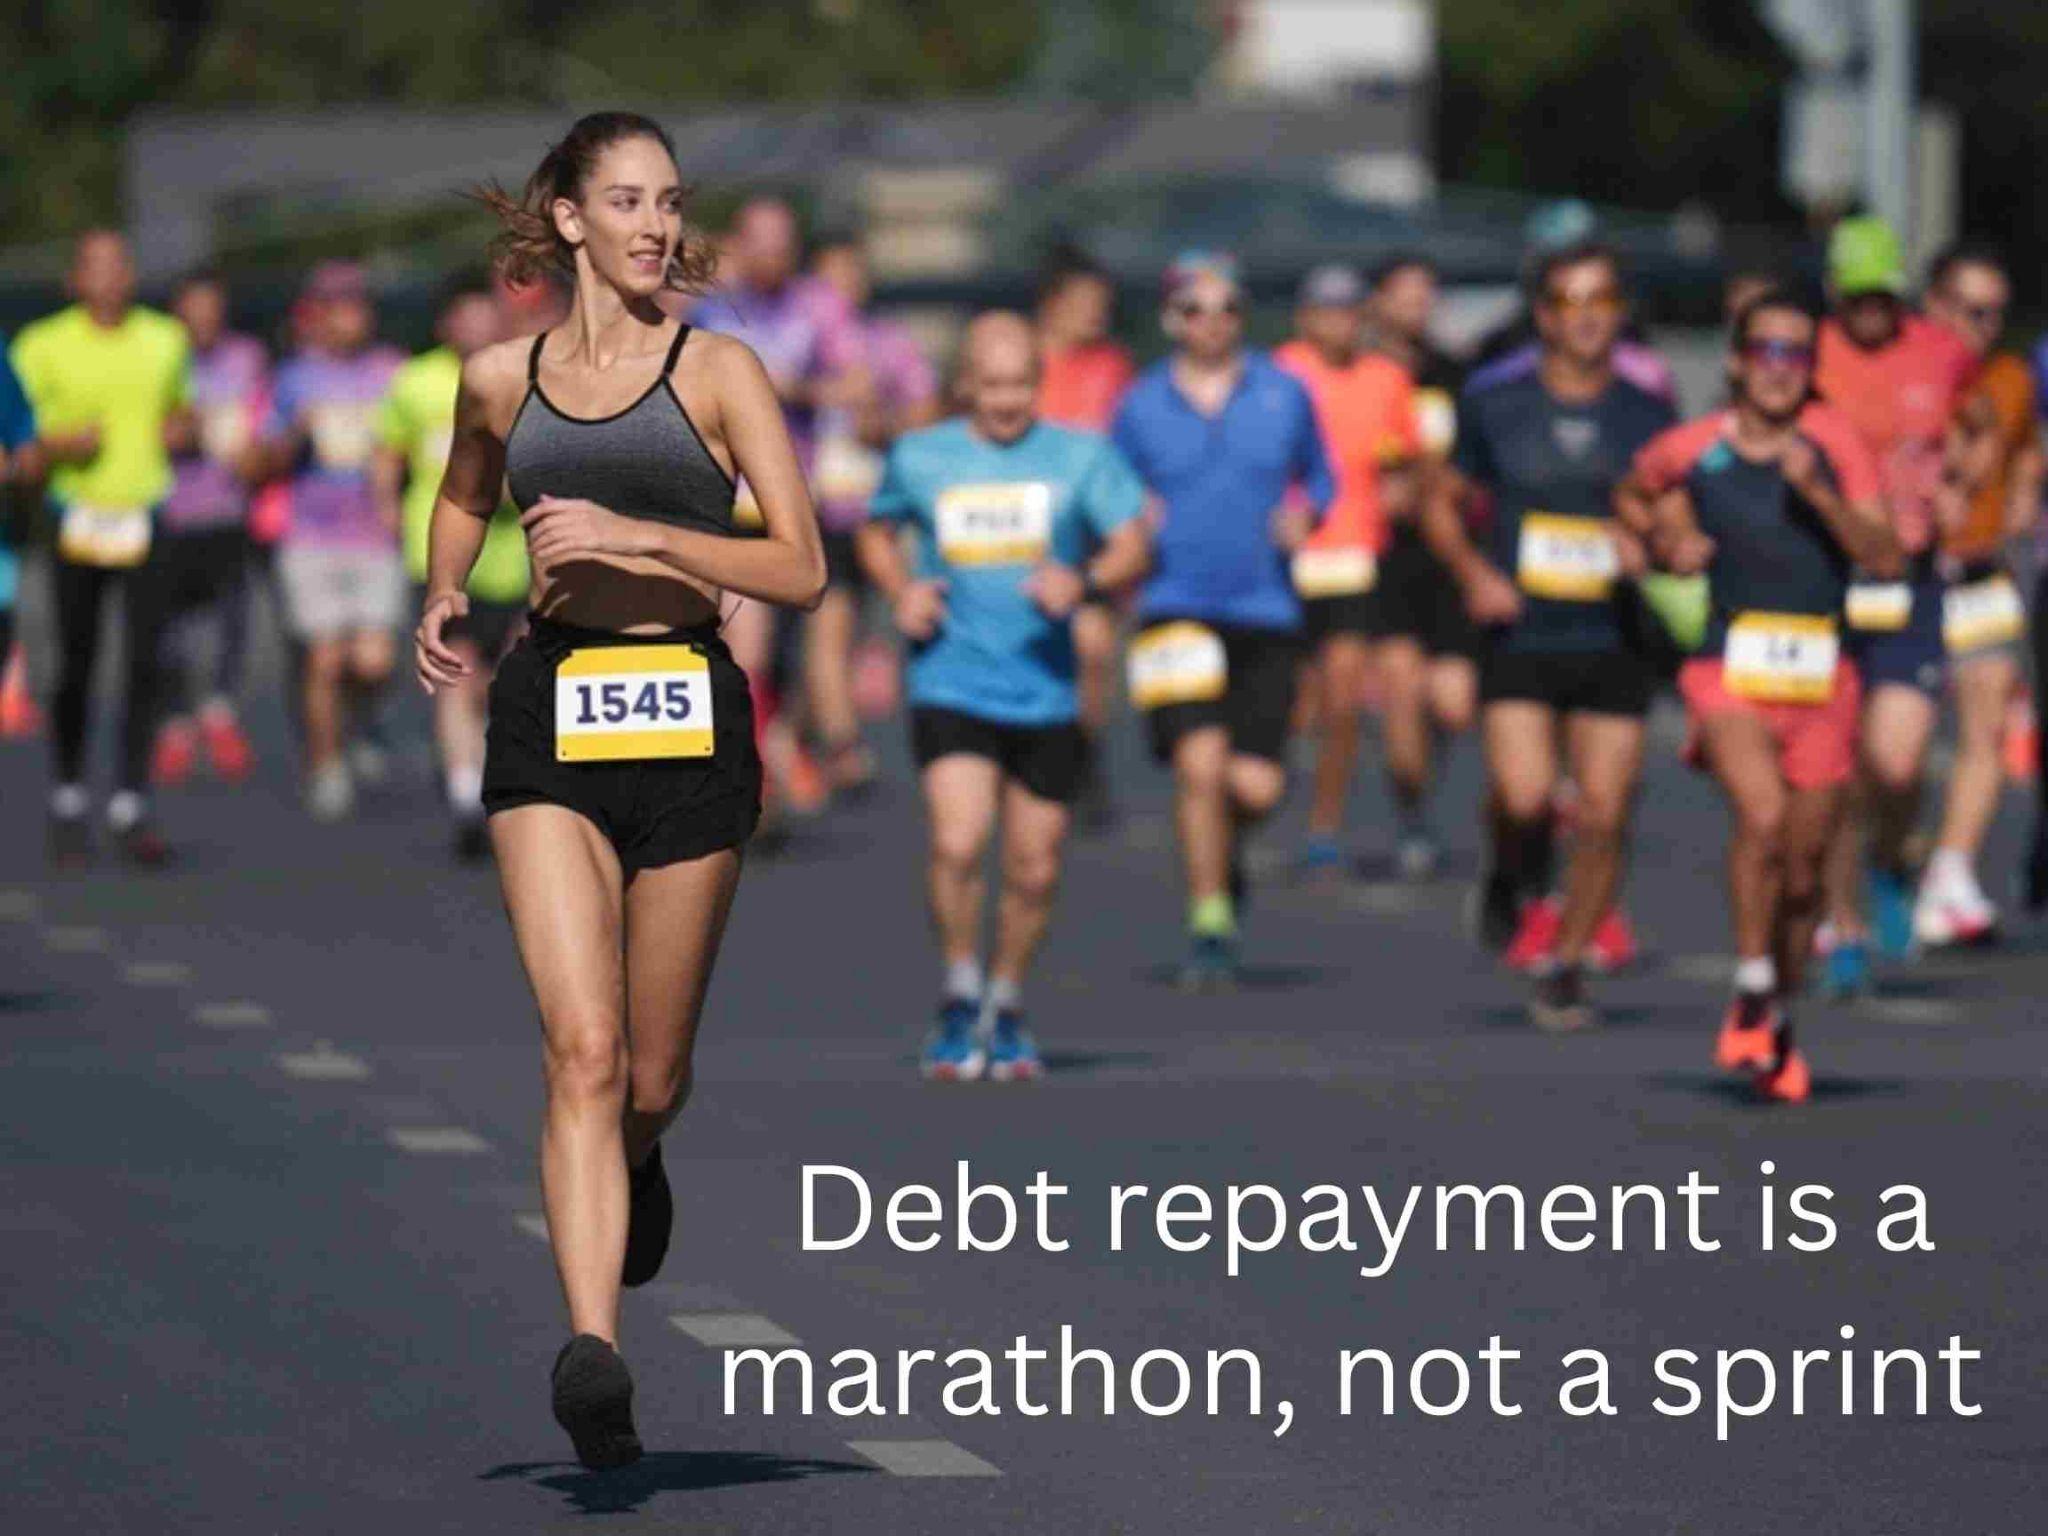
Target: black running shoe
143,846
1558,1005
472,840
2034,891
1496,913
70,842
593,1393
650,1218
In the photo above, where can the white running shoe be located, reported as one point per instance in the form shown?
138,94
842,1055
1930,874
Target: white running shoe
1953,915
330,793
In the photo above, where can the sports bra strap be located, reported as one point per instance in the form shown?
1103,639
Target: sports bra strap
533,359
675,349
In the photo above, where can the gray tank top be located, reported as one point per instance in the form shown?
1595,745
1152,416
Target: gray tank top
647,461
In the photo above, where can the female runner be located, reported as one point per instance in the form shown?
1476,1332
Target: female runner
620,777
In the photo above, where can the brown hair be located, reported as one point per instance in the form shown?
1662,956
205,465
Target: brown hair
528,246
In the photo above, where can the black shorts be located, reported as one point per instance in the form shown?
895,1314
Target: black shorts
1257,705
1051,761
1416,599
842,559
656,812
199,567
487,626
1351,614
1571,683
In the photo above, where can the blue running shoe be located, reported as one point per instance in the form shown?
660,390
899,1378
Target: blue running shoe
1211,964
1847,972
1321,856
1891,911
953,1053
1012,1053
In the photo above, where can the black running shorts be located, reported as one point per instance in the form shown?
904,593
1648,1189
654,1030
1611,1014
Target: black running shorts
1050,761
1256,703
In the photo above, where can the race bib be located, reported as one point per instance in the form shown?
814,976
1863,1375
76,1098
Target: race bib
846,473
1879,606
630,702
112,537
343,433
1568,559
1781,658
1436,421
224,432
1341,572
1004,523
1984,613
1181,663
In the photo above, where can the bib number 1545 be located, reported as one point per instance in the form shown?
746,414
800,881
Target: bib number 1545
618,703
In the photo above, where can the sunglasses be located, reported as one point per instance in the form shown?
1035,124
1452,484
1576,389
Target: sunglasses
1786,354
1190,309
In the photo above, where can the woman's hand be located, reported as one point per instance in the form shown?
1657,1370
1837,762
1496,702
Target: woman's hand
433,662
559,529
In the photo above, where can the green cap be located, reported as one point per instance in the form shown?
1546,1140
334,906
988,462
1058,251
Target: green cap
1864,257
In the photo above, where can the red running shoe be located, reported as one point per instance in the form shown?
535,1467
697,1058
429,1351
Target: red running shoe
1613,944
227,748
1749,1034
1789,1082
1536,938
177,749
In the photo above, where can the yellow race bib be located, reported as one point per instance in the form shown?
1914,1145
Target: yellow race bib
1000,523
224,432
847,471
630,702
1781,658
1979,614
1179,663
1879,607
113,538
1340,572
1567,559
343,433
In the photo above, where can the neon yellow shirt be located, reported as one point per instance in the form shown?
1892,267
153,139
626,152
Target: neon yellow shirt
417,419
126,379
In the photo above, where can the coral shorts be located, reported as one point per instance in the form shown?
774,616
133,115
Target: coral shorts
1816,742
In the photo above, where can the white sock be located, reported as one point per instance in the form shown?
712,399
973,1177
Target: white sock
1756,976
1949,872
70,801
124,810
963,981
1004,993
466,790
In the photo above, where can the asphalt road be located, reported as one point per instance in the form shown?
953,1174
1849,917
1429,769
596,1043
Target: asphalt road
267,1130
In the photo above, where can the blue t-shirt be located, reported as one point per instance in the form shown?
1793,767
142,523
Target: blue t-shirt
17,430
984,514
1221,478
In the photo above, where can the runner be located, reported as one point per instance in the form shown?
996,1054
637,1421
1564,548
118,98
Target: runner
1899,378
622,781
415,424
204,542
1083,374
1773,498
891,390
1984,619
1564,663
17,432
1427,647
338,562
1365,404
1220,435
108,382
1015,521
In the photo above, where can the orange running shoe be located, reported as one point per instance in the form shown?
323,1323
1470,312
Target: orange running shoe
177,749
1613,945
227,747
1789,1082
1536,938
19,715
1749,1034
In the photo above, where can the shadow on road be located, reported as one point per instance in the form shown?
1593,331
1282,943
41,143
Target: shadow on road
627,1488
1612,1016
1254,978
29,1002
1733,1090
1096,1061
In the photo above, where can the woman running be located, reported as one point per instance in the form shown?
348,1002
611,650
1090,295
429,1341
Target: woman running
620,777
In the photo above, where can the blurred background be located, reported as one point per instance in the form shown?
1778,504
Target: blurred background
966,140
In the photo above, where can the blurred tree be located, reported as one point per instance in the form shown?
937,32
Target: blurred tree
1987,58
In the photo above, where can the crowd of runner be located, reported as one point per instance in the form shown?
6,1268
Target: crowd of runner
1260,553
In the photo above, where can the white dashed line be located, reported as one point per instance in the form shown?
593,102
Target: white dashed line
18,906
231,1015
731,1330
1384,899
533,1224
324,1064
76,941
437,1140
1701,968
923,1458
1912,1010
158,973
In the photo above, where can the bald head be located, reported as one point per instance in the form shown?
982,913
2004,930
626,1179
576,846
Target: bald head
102,273
999,375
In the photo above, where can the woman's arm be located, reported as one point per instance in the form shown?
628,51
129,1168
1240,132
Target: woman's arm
462,514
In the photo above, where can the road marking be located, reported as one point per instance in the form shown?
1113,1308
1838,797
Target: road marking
158,973
1912,1010
231,1015
533,1224
731,1330
76,941
437,1140
18,906
1384,899
1700,968
324,1064
923,1458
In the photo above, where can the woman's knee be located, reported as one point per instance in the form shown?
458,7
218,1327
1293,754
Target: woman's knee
586,1060
661,1087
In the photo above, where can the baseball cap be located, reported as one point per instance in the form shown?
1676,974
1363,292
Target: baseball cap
1331,287
1864,257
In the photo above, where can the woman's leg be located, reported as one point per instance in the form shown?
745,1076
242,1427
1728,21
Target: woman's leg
675,920
565,893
